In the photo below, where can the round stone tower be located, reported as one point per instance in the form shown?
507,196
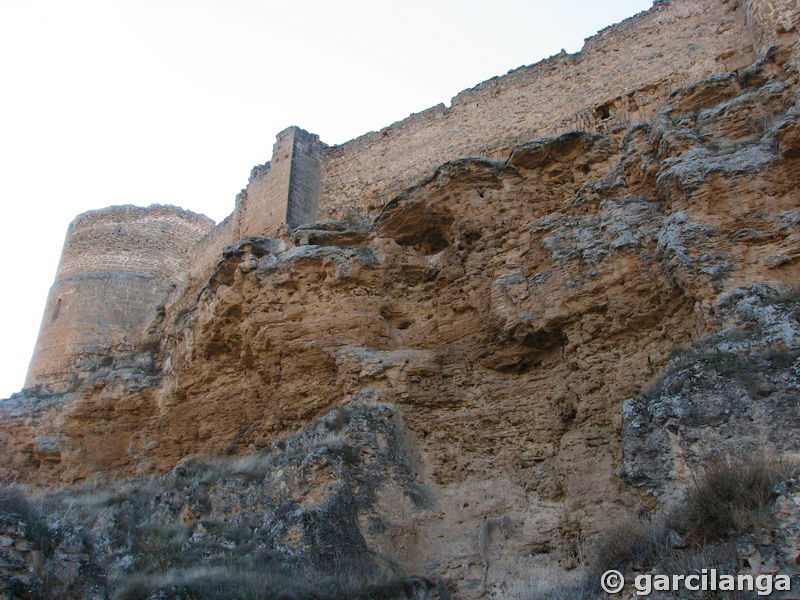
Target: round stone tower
117,266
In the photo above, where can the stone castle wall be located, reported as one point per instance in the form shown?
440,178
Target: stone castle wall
208,249
285,190
118,264
282,192
152,240
772,22
621,75
263,205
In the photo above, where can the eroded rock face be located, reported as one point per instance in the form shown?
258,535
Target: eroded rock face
734,392
507,310
323,514
43,557
781,551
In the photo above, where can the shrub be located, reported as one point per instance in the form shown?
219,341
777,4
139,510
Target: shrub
792,297
730,497
629,544
13,501
727,499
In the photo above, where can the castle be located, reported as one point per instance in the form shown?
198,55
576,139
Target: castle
475,349
120,264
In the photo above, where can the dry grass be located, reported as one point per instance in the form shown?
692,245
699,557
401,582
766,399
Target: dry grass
231,583
731,496
630,544
13,501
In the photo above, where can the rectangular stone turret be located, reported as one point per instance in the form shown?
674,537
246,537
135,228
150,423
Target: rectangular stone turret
286,190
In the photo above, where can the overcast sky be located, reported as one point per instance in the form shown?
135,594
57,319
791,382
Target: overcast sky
107,102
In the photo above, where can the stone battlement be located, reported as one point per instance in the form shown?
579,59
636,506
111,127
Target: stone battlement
119,264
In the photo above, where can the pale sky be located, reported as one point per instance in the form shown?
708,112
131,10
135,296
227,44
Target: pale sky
142,102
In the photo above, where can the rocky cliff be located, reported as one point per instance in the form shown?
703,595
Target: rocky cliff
472,387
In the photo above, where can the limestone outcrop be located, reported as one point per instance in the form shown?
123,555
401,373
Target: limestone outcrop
45,556
729,393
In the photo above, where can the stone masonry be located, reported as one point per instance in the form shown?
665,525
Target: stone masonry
117,266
